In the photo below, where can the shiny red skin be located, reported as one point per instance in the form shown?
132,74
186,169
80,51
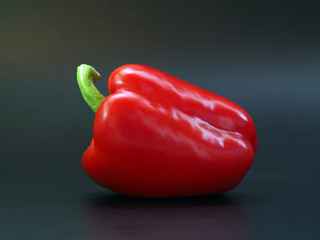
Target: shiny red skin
158,136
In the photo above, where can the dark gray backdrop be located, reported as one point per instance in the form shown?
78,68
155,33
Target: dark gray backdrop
264,55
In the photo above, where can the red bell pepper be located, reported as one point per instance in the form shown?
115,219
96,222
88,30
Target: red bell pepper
158,136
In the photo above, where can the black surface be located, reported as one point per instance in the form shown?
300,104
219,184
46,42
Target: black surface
264,55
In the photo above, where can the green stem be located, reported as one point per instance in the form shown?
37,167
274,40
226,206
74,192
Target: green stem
86,76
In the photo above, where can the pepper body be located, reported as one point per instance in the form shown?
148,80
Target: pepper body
158,136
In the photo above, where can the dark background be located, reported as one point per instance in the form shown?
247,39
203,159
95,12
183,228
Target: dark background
264,55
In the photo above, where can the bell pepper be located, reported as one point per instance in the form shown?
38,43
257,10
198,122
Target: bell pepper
158,136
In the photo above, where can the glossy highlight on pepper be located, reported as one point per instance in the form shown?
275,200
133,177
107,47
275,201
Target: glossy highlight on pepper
158,136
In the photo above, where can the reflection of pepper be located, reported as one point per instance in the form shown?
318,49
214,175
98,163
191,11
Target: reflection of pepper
158,136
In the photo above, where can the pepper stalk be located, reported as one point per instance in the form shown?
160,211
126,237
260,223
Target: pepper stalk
86,77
